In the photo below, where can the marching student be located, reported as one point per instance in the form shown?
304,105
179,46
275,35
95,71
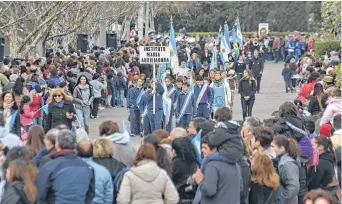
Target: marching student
186,106
134,98
172,93
152,121
203,97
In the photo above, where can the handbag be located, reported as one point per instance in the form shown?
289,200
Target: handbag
81,134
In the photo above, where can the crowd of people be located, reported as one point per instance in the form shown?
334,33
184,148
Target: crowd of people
292,157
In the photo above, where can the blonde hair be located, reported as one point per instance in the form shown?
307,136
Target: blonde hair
60,91
102,148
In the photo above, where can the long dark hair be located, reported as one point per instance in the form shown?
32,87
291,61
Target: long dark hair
319,93
163,160
327,145
18,86
290,145
24,100
79,80
186,151
288,109
35,139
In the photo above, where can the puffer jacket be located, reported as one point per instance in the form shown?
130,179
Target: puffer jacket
288,169
147,183
334,108
281,127
103,183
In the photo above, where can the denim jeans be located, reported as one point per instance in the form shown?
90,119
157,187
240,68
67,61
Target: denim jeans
282,54
276,56
108,100
120,97
83,115
114,97
288,84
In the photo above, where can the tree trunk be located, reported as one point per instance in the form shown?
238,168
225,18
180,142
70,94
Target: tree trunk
147,17
140,21
103,33
152,19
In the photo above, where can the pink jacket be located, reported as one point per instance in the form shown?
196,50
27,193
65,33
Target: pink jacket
334,108
26,117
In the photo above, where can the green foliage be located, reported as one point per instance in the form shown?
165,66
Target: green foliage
327,46
204,16
214,34
338,71
331,18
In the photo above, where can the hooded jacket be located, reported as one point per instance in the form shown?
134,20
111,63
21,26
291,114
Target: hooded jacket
227,139
98,87
147,183
15,194
281,127
123,150
288,169
334,108
10,140
222,180
321,175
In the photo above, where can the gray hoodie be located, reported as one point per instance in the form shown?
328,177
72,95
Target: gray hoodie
124,151
98,87
289,179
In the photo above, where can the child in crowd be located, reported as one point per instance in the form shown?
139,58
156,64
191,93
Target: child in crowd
287,74
186,106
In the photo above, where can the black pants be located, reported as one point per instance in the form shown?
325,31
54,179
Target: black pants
258,79
95,110
276,56
137,121
247,107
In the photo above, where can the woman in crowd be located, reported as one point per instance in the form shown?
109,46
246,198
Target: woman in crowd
60,110
35,140
240,67
317,102
97,88
247,90
184,166
123,149
265,180
322,175
36,103
163,159
318,196
21,186
334,106
103,155
26,114
9,108
308,87
83,97
287,164
145,182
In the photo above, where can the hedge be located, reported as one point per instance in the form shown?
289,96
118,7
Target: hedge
214,34
321,47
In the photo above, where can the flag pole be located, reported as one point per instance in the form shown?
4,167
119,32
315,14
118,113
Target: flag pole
154,89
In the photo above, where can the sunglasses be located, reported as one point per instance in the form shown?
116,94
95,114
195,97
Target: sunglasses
57,95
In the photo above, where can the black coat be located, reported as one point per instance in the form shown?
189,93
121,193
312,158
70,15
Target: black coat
57,116
281,127
260,193
257,66
113,165
247,88
240,67
181,170
314,107
15,194
322,175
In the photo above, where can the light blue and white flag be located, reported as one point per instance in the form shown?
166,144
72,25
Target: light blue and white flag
197,144
173,50
226,37
161,71
90,45
167,104
213,61
224,49
239,36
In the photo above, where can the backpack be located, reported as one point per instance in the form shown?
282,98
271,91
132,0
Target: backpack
117,182
306,149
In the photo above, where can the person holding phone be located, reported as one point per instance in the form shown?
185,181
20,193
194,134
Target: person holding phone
60,110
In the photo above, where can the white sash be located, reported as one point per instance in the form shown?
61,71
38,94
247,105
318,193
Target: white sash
185,105
200,95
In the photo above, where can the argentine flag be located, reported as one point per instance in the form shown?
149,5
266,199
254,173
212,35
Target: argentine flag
226,37
239,36
173,50
197,144
224,49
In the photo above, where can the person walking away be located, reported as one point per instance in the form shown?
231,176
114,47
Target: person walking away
110,88
257,68
247,89
103,179
265,180
26,114
20,179
121,87
66,178
186,107
83,97
287,74
287,165
97,88
276,49
145,182
203,97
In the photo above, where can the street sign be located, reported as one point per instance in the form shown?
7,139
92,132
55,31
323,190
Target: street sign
154,55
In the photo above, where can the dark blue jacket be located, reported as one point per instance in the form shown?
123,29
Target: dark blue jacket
65,179
207,96
132,97
190,109
121,83
286,73
147,99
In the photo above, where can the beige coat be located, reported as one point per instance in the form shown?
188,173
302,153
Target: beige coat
146,183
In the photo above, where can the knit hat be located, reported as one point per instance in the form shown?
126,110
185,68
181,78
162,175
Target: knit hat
325,130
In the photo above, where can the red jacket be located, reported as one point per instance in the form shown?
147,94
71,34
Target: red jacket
36,104
307,89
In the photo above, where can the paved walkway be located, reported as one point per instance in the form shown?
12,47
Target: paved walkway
272,95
